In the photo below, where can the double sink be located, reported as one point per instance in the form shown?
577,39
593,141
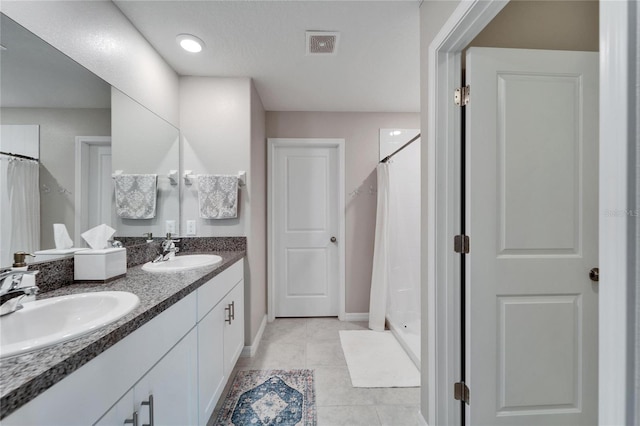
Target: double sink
55,320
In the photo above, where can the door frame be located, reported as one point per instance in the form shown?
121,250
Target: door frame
618,21
83,143
273,144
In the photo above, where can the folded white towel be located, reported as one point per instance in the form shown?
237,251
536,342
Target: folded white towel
218,196
136,195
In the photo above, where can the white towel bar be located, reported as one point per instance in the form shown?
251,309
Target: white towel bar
172,175
189,177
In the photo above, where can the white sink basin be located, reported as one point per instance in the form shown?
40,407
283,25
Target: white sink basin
49,321
183,263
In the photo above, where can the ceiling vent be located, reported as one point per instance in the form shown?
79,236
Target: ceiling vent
322,42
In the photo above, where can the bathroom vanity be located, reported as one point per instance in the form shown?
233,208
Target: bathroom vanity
168,360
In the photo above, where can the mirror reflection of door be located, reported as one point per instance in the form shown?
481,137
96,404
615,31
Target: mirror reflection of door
100,185
94,196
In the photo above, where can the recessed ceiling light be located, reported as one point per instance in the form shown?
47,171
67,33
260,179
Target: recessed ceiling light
190,43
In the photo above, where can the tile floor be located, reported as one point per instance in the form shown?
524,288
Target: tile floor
315,343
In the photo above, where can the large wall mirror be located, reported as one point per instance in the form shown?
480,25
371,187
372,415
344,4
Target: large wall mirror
64,133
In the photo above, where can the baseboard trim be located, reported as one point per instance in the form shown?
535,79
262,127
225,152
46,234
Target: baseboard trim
363,316
249,351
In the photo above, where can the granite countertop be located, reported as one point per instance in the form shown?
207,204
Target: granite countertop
25,376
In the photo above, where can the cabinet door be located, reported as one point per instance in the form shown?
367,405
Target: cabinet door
173,384
210,361
234,331
120,412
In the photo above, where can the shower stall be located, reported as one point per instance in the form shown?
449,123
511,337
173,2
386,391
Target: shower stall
399,245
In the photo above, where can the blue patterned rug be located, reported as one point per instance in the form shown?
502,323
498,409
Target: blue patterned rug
270,398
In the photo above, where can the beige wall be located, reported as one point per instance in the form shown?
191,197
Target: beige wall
553,25
99,37
58,130
361,133
257,243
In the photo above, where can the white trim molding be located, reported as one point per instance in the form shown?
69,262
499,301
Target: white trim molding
249,351
618,100
356,316
443,213
274,143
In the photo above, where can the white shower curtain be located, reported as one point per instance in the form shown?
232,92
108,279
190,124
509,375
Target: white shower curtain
19,190
379,277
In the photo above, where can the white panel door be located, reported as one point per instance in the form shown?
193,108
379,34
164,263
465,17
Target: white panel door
305,220
100,185
532,197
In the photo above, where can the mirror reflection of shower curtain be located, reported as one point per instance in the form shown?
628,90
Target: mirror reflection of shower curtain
20,214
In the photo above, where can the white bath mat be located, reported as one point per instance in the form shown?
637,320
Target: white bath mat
376,360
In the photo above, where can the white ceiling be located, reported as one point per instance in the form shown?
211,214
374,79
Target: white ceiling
376,67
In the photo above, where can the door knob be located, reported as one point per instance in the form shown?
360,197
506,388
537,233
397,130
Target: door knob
333,239
594,274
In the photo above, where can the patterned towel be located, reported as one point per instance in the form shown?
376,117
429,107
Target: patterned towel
136,196
218,196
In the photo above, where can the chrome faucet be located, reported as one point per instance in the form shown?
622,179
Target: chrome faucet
11,284
169,249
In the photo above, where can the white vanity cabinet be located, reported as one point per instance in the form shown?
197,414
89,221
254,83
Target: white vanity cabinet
183,357
211,370
167,392
220,335
83,397
233,327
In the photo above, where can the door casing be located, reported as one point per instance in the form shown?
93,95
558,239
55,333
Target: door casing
83,143
273,144
440,312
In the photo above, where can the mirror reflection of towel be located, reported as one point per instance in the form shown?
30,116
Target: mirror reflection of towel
136,195
218,196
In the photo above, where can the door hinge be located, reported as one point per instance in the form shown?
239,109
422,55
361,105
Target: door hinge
461,392
461,244
461,97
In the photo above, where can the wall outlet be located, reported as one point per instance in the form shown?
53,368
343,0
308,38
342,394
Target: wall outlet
170,227
191,227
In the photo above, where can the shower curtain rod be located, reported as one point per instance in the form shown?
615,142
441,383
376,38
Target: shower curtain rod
24,157
388,157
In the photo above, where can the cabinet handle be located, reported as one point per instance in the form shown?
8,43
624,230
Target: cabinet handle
233,310
150,404
228,309
133,420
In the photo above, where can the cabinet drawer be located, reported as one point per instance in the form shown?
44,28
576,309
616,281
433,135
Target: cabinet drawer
211,293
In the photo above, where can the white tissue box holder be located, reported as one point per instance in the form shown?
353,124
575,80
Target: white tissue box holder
100,265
